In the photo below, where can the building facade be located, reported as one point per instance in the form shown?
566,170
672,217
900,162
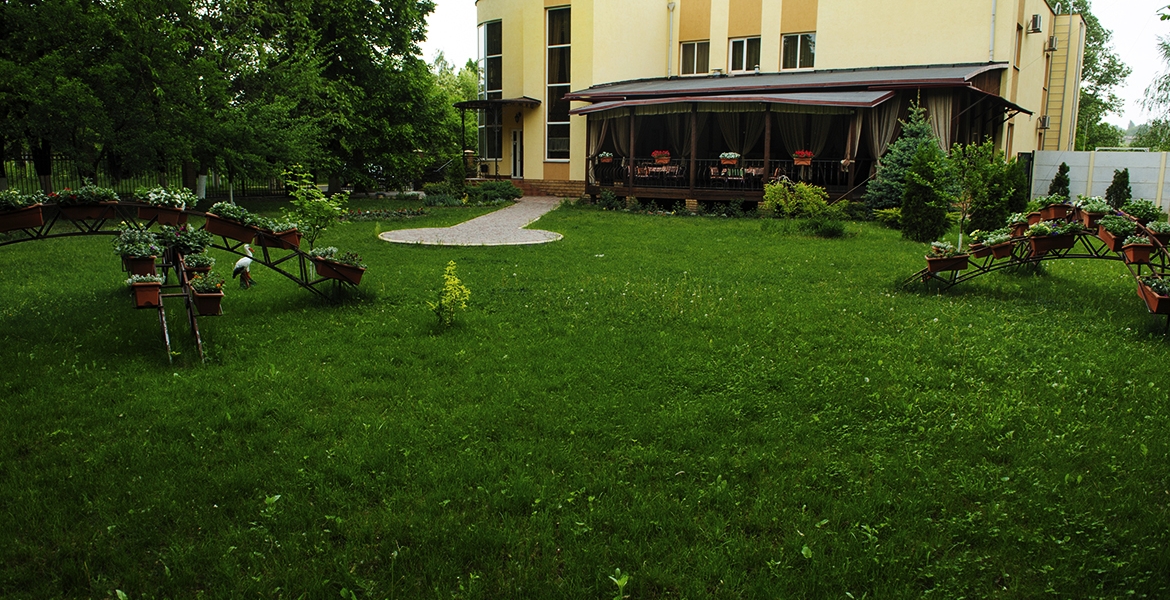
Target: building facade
567,83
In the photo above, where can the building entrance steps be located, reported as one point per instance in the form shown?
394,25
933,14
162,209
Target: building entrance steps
504,227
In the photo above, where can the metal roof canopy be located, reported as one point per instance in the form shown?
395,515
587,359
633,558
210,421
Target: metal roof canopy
878,78
863,99
524,101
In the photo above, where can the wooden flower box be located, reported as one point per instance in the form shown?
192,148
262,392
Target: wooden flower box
162,215
802,162
1034,218
980,251
662,160
139,266
147,295
1137,253
605,159
954,263
1019,229
1041,245
227,228
1054,211
341,272
1111,241
285,239
1003,250
28,217
1163,238
1159,305
88,212
1090,219
208,305
729,161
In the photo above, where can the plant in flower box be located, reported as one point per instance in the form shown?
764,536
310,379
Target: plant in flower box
1137,249
343,266
802,158
87,202
230,220
1113,229
146,289
20,211
185,240
207,292
1156,292
275,234
1142,210
1018,224
661,157
944,256
729,158
1053,206
977,244
1052,235
605,157
138,248
198,263
1092,210
166,206
999,242
1159,230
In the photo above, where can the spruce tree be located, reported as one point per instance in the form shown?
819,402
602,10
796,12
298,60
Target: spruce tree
925,201
888,187
1060,182
1119,191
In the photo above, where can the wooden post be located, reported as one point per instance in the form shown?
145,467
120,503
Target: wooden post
694,144
633,140
767,142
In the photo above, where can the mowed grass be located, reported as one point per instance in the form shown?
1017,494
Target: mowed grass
716,407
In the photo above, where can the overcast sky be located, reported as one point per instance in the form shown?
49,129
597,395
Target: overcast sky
1134,23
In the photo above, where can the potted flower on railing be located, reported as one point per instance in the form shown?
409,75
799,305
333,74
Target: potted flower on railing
1113,229
1092,210
976,243
275,234
146,289
802,158
661,157
166,206
605,157
207,293
945,257
88,202
1137,249
138,248
1000,243
1053,206
20,211
1046,236
230,220
197,263
729,158
1142,210
1156,292
1018,224
1159,230
343,266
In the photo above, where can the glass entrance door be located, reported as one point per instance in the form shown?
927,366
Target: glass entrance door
518,154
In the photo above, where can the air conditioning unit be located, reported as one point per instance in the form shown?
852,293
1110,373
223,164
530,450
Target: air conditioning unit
1053,44
1044,122
1036,25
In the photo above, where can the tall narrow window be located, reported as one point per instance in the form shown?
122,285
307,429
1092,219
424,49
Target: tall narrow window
559,78
491,87
799,51
695,58
743,54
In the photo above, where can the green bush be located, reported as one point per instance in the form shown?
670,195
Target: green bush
823,226
442,200
1119,191
889,185
491,192
890,217
799,200
442,188
609,200
924,206
1059,183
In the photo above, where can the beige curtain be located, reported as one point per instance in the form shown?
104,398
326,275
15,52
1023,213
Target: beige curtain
939,110
678,128
792,131
819,133
597,131
881,122
741,131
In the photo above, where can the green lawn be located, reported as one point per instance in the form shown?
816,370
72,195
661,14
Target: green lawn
716,407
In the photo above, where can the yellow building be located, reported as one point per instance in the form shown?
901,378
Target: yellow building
577,95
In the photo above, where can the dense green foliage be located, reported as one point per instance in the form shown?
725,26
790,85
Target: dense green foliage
889,185
1119,192
925,203
990,186
244,87
718,410
1060,182
1101,73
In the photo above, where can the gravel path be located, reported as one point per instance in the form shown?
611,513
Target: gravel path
503,227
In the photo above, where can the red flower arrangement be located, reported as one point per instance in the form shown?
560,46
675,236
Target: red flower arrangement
660,153
802,154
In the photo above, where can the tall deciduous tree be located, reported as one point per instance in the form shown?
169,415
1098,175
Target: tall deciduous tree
1101,72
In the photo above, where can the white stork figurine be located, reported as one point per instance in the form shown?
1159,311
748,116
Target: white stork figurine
243,269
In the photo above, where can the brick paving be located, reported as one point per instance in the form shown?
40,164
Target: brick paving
504,227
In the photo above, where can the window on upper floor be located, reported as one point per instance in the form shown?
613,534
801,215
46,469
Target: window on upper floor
695,58
559,77
743,54
491,59
799,51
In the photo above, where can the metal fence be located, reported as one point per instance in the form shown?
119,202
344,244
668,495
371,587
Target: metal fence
22,176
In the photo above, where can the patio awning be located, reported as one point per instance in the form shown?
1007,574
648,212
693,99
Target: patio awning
866,99
523,101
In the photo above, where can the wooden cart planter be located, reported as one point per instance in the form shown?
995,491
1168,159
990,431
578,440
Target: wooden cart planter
286,240
163,215
230,229
139,265
208,305
1043,244
341,272
1054,211
953,263
1159,305
147,295
29,217
88,212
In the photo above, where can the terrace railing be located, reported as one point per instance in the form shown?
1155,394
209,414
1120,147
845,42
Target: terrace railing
713,174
